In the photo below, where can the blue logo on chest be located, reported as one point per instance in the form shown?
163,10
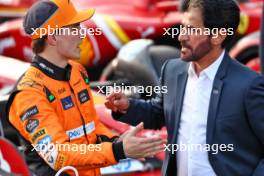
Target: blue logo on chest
67,103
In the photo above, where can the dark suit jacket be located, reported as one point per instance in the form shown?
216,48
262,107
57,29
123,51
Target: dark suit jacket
236,116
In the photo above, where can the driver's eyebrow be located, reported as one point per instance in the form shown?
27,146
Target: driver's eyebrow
191,26
188,26
74,26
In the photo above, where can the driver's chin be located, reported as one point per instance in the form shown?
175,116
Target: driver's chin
76,57
76,54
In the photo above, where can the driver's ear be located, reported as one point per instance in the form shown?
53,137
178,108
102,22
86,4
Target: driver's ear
51,39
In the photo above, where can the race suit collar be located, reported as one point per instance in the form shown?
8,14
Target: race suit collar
51,70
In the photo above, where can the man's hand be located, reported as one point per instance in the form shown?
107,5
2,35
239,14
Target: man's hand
117,102
139,147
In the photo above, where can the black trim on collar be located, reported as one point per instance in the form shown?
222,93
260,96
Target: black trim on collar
51,70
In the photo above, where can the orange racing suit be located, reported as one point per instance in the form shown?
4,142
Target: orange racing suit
52,105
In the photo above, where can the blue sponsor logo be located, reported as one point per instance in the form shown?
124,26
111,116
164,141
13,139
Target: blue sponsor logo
43,143
67,103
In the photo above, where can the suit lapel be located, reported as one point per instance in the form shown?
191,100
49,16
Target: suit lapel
180,90
212,113
180,80
215,98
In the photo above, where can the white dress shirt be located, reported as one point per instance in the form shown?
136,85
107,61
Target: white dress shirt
193,122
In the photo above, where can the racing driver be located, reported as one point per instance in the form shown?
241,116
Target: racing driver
53,104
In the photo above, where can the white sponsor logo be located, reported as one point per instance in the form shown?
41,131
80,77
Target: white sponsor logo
79,132
51,158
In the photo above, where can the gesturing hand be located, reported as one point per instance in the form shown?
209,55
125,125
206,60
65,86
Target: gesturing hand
139,147
117,102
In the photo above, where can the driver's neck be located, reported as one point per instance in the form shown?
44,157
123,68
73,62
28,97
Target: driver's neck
54,57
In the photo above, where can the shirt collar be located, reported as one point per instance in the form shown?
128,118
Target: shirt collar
210,71
51,70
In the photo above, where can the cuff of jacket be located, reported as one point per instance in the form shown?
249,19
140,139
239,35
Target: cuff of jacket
104,138
118,151
117,115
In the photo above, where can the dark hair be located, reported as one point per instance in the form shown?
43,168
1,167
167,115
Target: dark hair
217,14
38,45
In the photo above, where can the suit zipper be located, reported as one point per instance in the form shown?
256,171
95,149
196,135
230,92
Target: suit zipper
83,121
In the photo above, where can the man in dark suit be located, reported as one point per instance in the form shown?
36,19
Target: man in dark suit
212,101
